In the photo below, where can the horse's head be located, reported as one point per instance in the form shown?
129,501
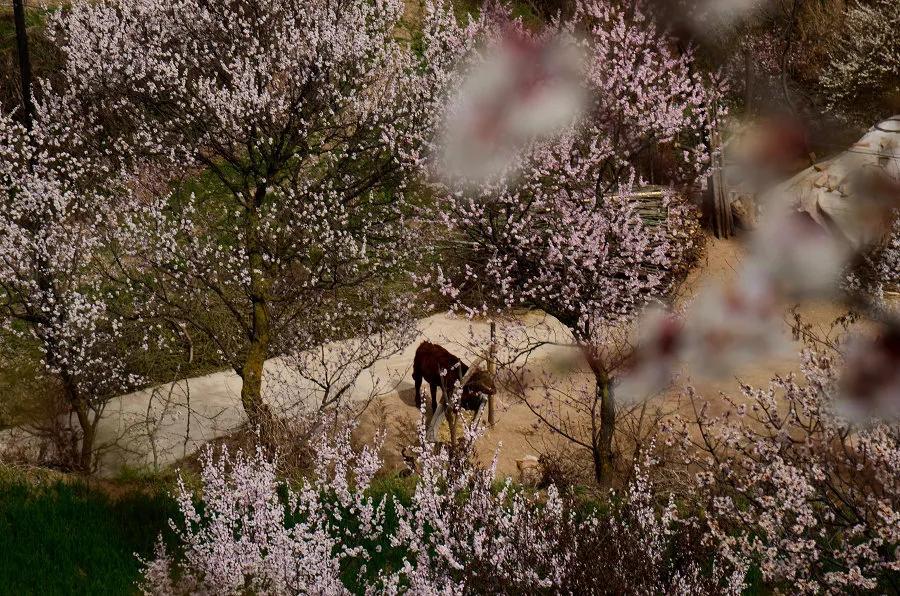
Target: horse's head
481,384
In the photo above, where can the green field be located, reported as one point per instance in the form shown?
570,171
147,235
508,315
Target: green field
64,537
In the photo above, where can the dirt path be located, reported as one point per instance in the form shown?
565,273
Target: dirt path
157,426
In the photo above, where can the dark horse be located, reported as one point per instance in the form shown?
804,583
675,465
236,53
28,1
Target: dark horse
442,369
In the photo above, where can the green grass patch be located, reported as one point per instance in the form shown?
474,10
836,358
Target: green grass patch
518,10
34,17
65,537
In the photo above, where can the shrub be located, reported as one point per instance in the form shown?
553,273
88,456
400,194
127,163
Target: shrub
459,532
256,534
789,480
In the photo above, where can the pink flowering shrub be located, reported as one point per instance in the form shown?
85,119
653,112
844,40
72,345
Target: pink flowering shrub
811,496
654,549
459,533
889,264
247,537
881,269
465,535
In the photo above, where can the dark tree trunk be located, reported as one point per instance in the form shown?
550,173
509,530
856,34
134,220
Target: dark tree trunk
258,413
603,436
85,463
24,62
85,451
603,419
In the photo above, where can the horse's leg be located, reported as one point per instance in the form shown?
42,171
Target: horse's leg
433,397
418,381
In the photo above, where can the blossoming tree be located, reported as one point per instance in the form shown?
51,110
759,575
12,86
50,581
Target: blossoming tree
862,68
57,206
559,233
300,113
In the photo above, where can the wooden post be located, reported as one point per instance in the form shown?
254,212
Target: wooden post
436,418
723,222
451,422
452,405
492,370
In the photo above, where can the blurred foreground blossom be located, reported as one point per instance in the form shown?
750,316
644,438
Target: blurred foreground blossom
525,90
766,152
870,383
851,195
799,257
815,228
654,362
729,326
878,196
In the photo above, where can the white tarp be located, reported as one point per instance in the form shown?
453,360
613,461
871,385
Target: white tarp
830,191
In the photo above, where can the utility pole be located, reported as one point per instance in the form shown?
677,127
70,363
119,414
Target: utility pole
24,62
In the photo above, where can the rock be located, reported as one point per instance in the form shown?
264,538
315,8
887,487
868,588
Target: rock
743,209
529,470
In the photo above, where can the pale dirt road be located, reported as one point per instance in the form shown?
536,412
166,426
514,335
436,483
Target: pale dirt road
157,426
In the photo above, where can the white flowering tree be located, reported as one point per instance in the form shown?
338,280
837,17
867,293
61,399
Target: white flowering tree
300,114
863,67
559,233
57,206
